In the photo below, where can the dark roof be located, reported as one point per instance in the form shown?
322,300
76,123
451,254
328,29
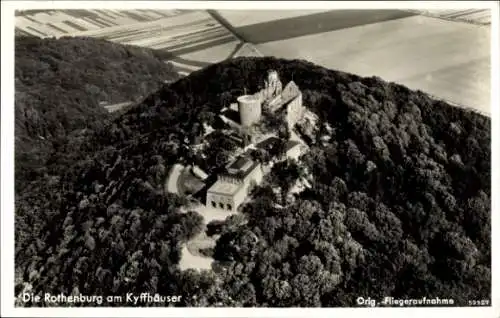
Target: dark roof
245,173
267,143
238,164
291,143
232,114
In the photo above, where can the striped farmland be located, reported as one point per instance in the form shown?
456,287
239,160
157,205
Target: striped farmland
177,32
55,22
421,49
474,16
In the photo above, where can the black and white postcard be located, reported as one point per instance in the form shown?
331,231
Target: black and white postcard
250,159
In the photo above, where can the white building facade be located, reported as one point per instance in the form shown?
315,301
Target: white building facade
232,187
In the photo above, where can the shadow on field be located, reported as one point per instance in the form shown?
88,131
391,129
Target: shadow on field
315,23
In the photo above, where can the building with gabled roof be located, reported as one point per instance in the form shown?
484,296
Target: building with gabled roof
289,101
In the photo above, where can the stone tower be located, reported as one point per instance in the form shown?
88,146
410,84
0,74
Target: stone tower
273,86
250,109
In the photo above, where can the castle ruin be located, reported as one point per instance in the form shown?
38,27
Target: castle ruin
232,186
273,98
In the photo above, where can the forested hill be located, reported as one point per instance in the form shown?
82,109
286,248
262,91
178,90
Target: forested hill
60,83
399,203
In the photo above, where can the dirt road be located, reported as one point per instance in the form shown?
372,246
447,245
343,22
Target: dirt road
173,176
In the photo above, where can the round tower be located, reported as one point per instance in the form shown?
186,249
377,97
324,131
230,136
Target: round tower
250,109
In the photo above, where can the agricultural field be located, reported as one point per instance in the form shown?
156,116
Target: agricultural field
240,18
476,16
446,59
311,23
430,50
191,39
66,22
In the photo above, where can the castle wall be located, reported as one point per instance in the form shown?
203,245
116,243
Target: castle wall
232,190
294,111
229,179
221,201
250,109
256,175
231,202
273,86
239,197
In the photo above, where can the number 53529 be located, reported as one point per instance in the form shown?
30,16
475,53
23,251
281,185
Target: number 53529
479,302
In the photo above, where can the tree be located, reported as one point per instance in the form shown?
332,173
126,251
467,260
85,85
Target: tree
397,204
238,246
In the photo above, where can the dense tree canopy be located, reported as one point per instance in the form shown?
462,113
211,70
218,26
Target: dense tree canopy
60,85
399,202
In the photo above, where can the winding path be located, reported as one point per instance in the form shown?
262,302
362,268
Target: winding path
173,177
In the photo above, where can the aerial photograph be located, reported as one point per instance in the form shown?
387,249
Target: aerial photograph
252,158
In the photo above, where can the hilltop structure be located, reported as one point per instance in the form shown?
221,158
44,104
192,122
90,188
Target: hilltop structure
272,98
231,187
278,99
272,89
250,109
